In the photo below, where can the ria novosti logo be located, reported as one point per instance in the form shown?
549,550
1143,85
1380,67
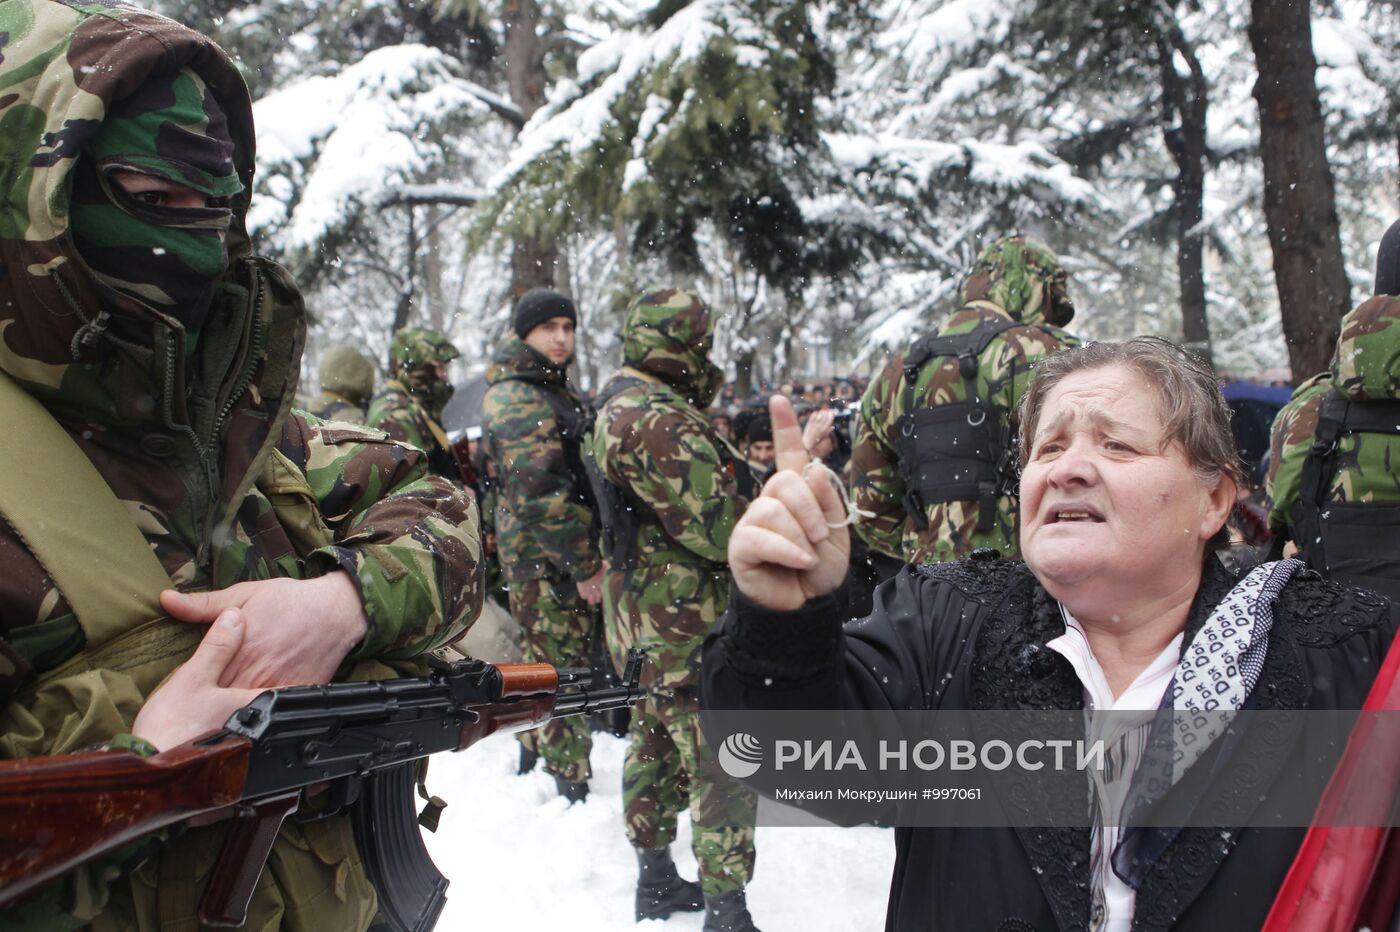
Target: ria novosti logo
740,755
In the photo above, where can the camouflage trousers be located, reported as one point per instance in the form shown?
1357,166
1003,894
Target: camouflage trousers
556,631
668,768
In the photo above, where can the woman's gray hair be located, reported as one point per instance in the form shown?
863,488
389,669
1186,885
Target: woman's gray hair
1195,414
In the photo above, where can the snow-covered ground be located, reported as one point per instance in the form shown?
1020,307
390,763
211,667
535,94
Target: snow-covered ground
519,857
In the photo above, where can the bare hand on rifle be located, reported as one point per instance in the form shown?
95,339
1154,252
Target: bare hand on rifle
192,702
298,630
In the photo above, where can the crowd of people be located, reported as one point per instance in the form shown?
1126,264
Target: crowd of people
1003,517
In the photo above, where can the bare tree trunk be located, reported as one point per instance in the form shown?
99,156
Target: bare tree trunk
1186,99
532,262
433,291
1299,201
404,311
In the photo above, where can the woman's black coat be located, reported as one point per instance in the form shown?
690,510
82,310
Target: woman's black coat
972,635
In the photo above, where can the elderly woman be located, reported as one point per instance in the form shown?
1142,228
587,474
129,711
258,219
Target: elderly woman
1128,476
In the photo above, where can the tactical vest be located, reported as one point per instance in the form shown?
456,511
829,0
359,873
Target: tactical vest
621,513
575,426
1357,543
961,450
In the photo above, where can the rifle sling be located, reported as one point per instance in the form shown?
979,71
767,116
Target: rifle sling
74,524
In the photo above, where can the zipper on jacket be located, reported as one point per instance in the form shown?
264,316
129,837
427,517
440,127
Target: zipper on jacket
250,361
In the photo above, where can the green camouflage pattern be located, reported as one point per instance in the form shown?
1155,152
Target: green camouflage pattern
655,441
557,626
669,334
1366,363
194,433
670,768
1024,278
149,253
542,528
1365,366
1027,276
398,412
414,354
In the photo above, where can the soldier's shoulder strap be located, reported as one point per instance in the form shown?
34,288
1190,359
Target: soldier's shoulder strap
1337,415
962,345
57,502
619,384
1349,541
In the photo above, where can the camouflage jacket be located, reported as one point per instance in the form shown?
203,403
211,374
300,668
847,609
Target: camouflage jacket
329,406
395,411
542,516
181,431
1003,371
1365,367
654,441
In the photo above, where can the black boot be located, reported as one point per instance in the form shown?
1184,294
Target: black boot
727,912
573,792
660,890
528,760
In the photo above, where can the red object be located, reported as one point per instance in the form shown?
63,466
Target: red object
1347,872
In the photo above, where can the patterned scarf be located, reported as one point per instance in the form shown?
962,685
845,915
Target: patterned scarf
1215,678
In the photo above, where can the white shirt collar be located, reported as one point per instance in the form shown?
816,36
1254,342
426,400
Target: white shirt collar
1145,692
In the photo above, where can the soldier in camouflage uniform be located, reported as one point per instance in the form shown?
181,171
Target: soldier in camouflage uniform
133,311
533,419
666,585
1345,515
347,382
1016,284
409,406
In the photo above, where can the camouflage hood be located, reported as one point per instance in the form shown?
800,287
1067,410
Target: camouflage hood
1366,365
197,410
1024,278
63,67
414,355
669,334
516,360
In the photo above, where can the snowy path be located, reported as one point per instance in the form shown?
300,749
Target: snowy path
520,858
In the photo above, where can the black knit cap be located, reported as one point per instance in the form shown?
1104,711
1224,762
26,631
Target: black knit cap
539,305
1388,262
760,430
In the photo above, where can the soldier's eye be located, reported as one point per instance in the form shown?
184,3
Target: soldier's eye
151,198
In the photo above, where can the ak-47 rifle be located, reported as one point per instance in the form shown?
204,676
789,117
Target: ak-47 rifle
355,743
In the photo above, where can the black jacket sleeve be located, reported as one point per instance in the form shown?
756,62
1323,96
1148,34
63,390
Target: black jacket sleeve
920,630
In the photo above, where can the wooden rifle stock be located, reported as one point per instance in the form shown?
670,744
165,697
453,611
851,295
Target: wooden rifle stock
57,812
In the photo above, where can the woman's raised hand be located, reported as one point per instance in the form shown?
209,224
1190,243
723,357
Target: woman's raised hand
784,551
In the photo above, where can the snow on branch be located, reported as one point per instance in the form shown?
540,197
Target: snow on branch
330,143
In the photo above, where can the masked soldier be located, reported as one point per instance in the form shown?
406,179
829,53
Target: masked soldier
409,406
1334,454
147,350
347,382
670,491
534,422
933,463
